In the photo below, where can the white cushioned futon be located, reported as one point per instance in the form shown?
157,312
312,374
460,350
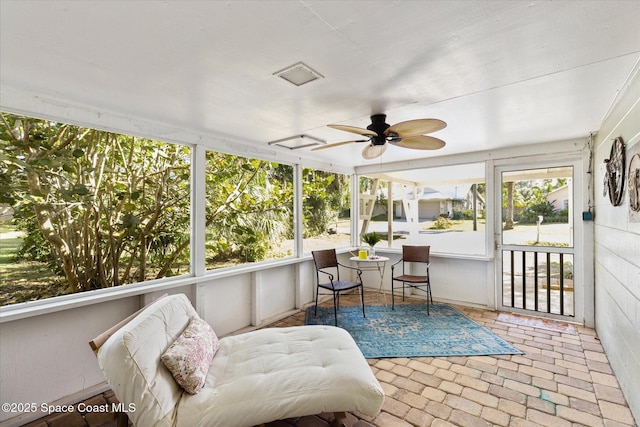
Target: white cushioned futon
254,378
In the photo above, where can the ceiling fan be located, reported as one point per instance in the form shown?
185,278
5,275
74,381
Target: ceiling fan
409,134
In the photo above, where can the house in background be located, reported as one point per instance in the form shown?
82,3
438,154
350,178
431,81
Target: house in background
431,204
521,85
559,198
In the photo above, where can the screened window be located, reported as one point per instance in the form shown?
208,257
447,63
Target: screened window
249,210
443,207
326,205
536,207
86,209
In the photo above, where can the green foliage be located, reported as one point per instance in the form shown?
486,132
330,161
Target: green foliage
34,246
467,214
325,194
529,197
532,211
97,205
441,223
109,209
249,207
371,238
567,270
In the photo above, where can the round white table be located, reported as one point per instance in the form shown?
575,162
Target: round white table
376,263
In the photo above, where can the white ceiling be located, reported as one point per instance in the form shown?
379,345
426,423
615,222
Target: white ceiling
499,73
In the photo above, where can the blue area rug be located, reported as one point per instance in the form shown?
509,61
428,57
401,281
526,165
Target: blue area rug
408,331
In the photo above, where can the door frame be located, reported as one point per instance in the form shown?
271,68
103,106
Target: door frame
583,245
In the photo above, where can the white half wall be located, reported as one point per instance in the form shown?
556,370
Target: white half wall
463,281
47,357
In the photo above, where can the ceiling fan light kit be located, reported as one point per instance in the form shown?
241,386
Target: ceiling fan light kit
372,151
408,134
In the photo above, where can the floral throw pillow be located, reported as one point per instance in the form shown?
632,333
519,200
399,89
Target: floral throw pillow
190,355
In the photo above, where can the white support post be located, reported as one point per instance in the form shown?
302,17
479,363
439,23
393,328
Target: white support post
198,223
355,210
411,210
198,210
298,216
298,286
256,298
389,214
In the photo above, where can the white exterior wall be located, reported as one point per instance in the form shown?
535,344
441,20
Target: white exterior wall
558,197
617,253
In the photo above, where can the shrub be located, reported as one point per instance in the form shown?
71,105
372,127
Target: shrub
442,223
531,212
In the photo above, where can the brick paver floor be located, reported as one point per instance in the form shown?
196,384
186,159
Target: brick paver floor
563,380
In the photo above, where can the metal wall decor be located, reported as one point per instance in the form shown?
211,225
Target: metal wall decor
614,176
634,184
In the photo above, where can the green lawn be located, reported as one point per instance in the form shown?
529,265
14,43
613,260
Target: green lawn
8,248
23,280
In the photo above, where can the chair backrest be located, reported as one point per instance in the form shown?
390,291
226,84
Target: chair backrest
130,359
415,253
325,258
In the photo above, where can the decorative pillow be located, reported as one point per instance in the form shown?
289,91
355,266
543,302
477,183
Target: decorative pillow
190,355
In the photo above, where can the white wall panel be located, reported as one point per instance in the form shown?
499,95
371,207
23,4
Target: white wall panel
277,291
47,357
617,253
620,341
228,303
463,281
307,282
460,280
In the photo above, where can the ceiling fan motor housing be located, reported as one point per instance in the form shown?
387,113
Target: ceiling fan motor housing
378,125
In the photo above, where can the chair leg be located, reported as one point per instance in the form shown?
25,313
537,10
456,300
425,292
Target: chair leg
428,293
317,292
335,306
393,300
362,297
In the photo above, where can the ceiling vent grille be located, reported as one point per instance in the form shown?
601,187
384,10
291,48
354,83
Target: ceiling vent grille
298,74
298,141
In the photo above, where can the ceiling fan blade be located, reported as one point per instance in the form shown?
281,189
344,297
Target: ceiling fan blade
337,144
372,151
416,127
353,129
420,142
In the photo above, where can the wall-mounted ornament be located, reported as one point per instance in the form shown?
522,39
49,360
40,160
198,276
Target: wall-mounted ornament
614,175
634,183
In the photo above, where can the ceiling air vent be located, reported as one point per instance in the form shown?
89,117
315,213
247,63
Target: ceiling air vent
298,141
298,74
